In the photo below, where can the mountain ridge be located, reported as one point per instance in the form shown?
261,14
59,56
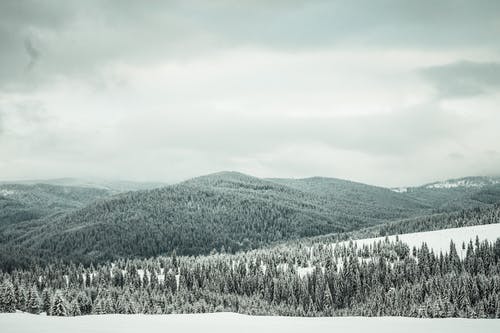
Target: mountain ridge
224,210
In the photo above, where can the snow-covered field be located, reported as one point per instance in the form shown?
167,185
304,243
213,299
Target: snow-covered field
230,322
439,240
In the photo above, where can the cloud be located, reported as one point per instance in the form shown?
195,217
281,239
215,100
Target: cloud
80,38
464,78
456,156
396,133
32,52
174,89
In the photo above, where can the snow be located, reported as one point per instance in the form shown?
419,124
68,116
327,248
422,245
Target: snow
304,271
439,240
6,192
454,183
231,322
141,274
448,184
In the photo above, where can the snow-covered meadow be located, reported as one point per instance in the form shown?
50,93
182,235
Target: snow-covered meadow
231,322
439,240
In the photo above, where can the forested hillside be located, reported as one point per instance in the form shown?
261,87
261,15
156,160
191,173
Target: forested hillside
462,218
384,279
457,194
357,198
21,202
113,186
226,211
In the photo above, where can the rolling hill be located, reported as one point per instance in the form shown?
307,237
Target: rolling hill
22,202
357,198
456,194
226,211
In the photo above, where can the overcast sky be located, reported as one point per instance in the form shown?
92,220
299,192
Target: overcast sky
390,93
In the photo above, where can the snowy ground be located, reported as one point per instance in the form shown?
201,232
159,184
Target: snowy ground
439,240
229,322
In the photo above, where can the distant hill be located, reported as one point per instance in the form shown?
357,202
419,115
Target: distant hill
114,186
226,211
456,194
22,202
466,182
357,198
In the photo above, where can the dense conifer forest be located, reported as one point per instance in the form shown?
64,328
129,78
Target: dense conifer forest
387,278
227,210
231,242
462,218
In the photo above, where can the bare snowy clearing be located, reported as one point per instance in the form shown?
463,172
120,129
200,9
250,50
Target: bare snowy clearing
230,322
439,240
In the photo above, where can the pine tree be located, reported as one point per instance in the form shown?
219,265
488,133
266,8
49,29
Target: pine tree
327,299
121,305
34,302
175,263
497,313
22,298
99,307
74,308
59,307
46,301
7,297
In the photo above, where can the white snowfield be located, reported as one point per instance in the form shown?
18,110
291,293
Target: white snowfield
439,240
231,322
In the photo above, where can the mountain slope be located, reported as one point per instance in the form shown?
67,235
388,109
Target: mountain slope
21,202
193,217
456,194
113,186
457,219
357,198
226,211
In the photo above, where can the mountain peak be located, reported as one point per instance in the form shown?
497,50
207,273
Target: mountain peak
223,176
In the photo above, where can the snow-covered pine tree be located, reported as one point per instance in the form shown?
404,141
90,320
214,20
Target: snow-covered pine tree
497,312
59,307
46,301
7,297
22,298
99,307
74,308
84,302
327,300
34,302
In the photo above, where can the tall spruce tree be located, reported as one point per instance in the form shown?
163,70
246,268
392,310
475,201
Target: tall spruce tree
46,301
7,297
34,303
59,307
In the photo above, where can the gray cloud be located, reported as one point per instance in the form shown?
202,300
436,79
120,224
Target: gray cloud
456,156
79,37
465,78
33,53
172,89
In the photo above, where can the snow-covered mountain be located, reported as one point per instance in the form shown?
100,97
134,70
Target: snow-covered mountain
464,182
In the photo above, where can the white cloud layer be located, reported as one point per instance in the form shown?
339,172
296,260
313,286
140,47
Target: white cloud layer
289,89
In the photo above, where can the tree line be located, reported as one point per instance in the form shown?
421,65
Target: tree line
383,279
